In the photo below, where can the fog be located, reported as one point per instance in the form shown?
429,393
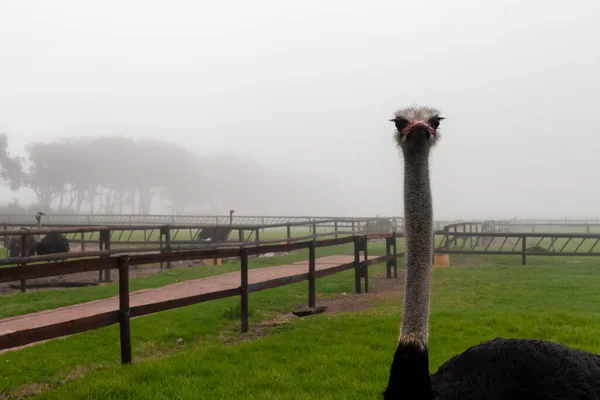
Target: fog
307,88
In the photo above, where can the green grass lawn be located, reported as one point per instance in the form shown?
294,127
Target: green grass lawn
181,354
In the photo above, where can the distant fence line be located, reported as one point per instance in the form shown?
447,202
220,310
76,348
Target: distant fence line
513,225
137,219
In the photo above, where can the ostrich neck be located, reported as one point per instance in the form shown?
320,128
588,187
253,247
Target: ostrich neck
418,216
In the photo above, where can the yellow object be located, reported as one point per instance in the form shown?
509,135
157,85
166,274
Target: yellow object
211,261
441,260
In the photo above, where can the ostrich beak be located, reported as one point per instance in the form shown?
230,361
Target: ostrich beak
417,124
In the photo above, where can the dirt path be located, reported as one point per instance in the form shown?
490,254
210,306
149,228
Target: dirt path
177,290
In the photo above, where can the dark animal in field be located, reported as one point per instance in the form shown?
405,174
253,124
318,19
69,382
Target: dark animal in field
516,369
53,243
13,244
379,225
221,234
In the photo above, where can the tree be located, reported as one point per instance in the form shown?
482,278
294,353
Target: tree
115,174
11,168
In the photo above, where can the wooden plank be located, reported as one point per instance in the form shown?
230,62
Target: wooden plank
357,247
334,242
378,236
524,251
277,248
183,255
493,252
311,276
61,268
518,235
273,283
43,231
365,264
395,254
388,252
124,325
377,260
146,309
244,290
27,336
334,270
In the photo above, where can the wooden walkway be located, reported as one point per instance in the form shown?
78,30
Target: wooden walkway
175,291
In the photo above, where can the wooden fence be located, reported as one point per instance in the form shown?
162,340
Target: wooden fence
521,244
168,234
451,243
108,246
122,263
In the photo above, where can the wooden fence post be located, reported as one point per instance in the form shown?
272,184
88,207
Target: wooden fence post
101,247
357,263
160,245
168,243
311,275
470,236
314,230
335,228
241,236
454,239
524,250
23,254
244,289
433,250
388,252
394,238
124,311
289,232
258,237
107,247
365,266
214,241
82,241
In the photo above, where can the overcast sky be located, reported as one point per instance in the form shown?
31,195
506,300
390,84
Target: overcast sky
313,84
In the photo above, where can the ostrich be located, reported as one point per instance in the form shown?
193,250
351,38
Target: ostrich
53,243
498,369
38,217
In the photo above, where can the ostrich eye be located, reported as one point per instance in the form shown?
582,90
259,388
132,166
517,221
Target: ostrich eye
435,122
400,123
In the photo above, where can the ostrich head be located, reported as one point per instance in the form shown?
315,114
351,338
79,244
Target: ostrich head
417,129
